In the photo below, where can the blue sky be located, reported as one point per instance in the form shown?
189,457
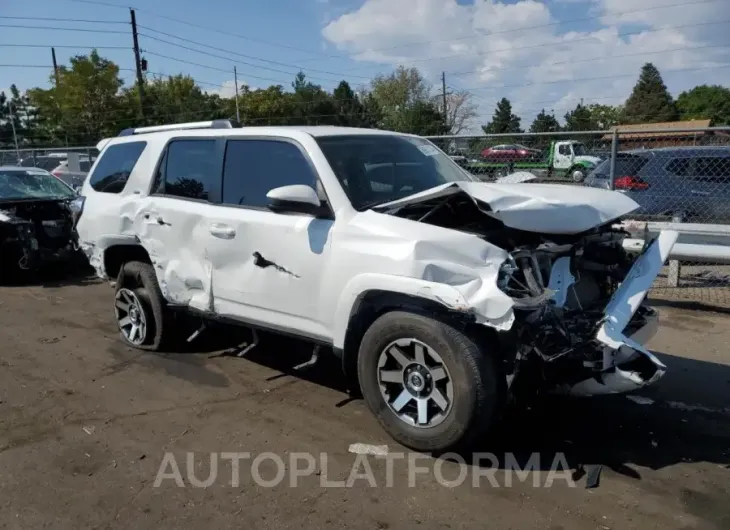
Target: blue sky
538,54
294,25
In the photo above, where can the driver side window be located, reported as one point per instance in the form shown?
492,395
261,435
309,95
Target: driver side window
252,168
564,150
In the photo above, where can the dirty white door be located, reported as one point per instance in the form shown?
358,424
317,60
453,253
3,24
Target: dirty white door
563,155
267,267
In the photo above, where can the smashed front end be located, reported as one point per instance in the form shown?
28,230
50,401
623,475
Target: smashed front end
578,321
36,232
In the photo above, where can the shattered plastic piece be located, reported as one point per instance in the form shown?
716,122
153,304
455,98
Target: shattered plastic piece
640,400
593,478
368,449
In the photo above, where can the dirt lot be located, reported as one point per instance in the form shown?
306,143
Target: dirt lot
85,424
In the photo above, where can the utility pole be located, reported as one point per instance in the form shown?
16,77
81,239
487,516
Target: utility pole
15,134
235,81
443,95
55,65
137,62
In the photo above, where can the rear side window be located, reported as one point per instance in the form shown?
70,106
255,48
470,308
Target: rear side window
713,169
189,169
115,165
679,167
626,166
254,167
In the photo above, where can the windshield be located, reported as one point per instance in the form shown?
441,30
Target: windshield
19,184
579,150
374,169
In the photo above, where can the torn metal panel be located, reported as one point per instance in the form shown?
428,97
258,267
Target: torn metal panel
545,208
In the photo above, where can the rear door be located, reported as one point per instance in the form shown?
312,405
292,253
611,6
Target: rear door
174,220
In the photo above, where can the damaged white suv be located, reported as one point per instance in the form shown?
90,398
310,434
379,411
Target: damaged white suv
441,294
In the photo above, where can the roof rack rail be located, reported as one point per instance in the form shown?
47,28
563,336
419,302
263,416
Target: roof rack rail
213,124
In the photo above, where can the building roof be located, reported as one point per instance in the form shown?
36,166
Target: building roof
640,131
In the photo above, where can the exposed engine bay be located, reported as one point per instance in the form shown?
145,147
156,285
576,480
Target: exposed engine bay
561,285
33,232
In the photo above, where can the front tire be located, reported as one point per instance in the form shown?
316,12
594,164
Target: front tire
428,384
140,310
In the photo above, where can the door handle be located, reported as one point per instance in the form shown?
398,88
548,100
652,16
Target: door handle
222,231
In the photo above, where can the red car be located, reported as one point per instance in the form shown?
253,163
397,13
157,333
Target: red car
511,152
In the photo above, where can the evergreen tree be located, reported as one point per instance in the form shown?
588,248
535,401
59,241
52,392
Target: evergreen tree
650,101
580,119
544,122
503,121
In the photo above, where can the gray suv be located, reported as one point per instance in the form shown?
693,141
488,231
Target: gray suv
690,182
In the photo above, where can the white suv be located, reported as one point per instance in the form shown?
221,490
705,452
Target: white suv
442,295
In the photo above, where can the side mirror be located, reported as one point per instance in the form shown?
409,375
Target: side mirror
297,198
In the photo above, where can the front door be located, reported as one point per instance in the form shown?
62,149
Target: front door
268,267
563,156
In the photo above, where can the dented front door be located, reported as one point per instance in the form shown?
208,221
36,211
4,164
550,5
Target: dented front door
269,267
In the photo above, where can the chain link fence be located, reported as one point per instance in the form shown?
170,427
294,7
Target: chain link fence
70,164
679,178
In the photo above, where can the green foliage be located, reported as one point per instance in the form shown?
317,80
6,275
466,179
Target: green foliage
580,119
705,102
544,122
503,121
650,101
89,102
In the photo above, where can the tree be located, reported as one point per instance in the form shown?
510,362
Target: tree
604,116
423,118
84,107
705,102
460,110
350,110
544,122
503,121
310,104
580,119
398,95
650,101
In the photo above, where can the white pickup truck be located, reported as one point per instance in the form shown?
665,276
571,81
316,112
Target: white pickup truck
440,294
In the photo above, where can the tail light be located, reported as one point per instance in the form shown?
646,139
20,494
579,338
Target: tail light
630,184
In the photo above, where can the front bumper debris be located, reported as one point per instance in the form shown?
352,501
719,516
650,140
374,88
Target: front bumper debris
626,364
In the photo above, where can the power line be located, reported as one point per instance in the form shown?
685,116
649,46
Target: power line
57,19
726,65
232,53
199,26
228,58
66,46
55,28
602,57
539,26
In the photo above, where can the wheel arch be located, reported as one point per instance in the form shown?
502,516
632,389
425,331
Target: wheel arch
375,302
115,256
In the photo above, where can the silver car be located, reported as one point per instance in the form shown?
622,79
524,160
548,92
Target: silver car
692,183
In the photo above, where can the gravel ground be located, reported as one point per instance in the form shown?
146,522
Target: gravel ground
86,422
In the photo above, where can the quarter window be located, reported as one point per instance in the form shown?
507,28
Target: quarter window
116,164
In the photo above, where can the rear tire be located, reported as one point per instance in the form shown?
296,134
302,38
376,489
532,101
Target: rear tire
139,302
395,385
577,174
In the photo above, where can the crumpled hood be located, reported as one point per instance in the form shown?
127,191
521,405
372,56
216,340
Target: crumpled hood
543,208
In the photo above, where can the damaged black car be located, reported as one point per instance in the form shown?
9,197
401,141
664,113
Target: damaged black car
36,220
